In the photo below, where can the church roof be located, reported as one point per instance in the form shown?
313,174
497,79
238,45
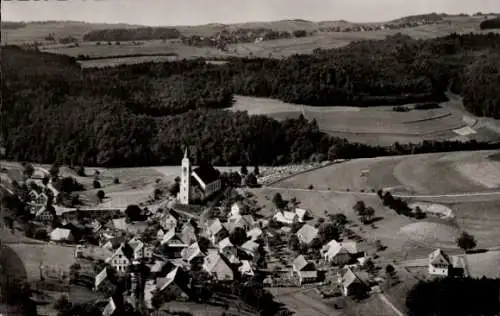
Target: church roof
207,174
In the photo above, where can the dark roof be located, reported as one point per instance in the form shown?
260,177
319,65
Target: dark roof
207,174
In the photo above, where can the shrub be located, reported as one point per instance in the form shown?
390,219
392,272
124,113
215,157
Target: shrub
116,180
96,184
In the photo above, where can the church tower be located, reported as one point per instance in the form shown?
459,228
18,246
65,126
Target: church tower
185,179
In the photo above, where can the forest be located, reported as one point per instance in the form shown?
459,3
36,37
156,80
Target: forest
455,297
145,114
490,24
132,34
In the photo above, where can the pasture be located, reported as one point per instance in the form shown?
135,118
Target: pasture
373,125
439,173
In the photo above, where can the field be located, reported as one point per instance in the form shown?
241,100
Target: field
377,125
275,48
441,173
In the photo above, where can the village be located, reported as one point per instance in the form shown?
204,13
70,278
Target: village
207,242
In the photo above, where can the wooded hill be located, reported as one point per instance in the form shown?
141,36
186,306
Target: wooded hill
144,114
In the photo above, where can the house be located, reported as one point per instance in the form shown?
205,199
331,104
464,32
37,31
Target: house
286,218
307,233
33,195
254,233
112,242
95,226
339,253
121,259
246,268
352,283
42,199
174,244
140,250
168,222
120,223
188,233
61,234
302,214
216,231
246,222
45,214
110,308
160,234
200,183
238,208
440,264
101,282
217,267
175,283
157,267
250,247
190,253
228,250
305,270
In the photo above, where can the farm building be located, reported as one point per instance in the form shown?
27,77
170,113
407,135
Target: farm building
307,233
339,253
216,266
286,218
352,283
440,264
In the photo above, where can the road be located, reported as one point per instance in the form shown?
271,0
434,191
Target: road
384,299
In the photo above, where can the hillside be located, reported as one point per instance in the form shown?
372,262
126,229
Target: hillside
144,114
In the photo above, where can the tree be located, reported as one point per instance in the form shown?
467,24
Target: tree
244,170
251,180
174,188
466,242
80,171
419,214
116,180
101,195
278,200
256,170
359,207
316,244
328,232
366,214
45,181
29,170
238,236
203,243
133,213
96,184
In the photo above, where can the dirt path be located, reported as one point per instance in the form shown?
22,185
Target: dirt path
386,301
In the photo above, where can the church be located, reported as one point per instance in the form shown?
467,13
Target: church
197,184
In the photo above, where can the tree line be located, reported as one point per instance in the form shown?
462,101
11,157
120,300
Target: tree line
145,114
132,34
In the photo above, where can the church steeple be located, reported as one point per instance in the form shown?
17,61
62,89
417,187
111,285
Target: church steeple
185,152
185,186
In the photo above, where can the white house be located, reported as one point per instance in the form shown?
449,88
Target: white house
339,252
305,271
302,214
168,221
140,250
286,218
307,233
250,247
201,182
439,263
351,282
246,268
228,250
121,259
61,234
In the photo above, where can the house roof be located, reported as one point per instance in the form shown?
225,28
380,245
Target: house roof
60,234
158,266
250,246
135,244
213,260
215,226
307,233
289,215
207,174
254,233
101,277
188,233
191,252
439,257
348,277
246,268
120,223
308,274
334,248
162,283
110,308
301,213
300,263
226,242
125,250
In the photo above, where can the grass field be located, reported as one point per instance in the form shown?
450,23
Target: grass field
441,173
374,125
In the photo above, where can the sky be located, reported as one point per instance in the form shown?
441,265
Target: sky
194,12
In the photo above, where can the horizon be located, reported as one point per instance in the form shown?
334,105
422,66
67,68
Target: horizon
160,13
